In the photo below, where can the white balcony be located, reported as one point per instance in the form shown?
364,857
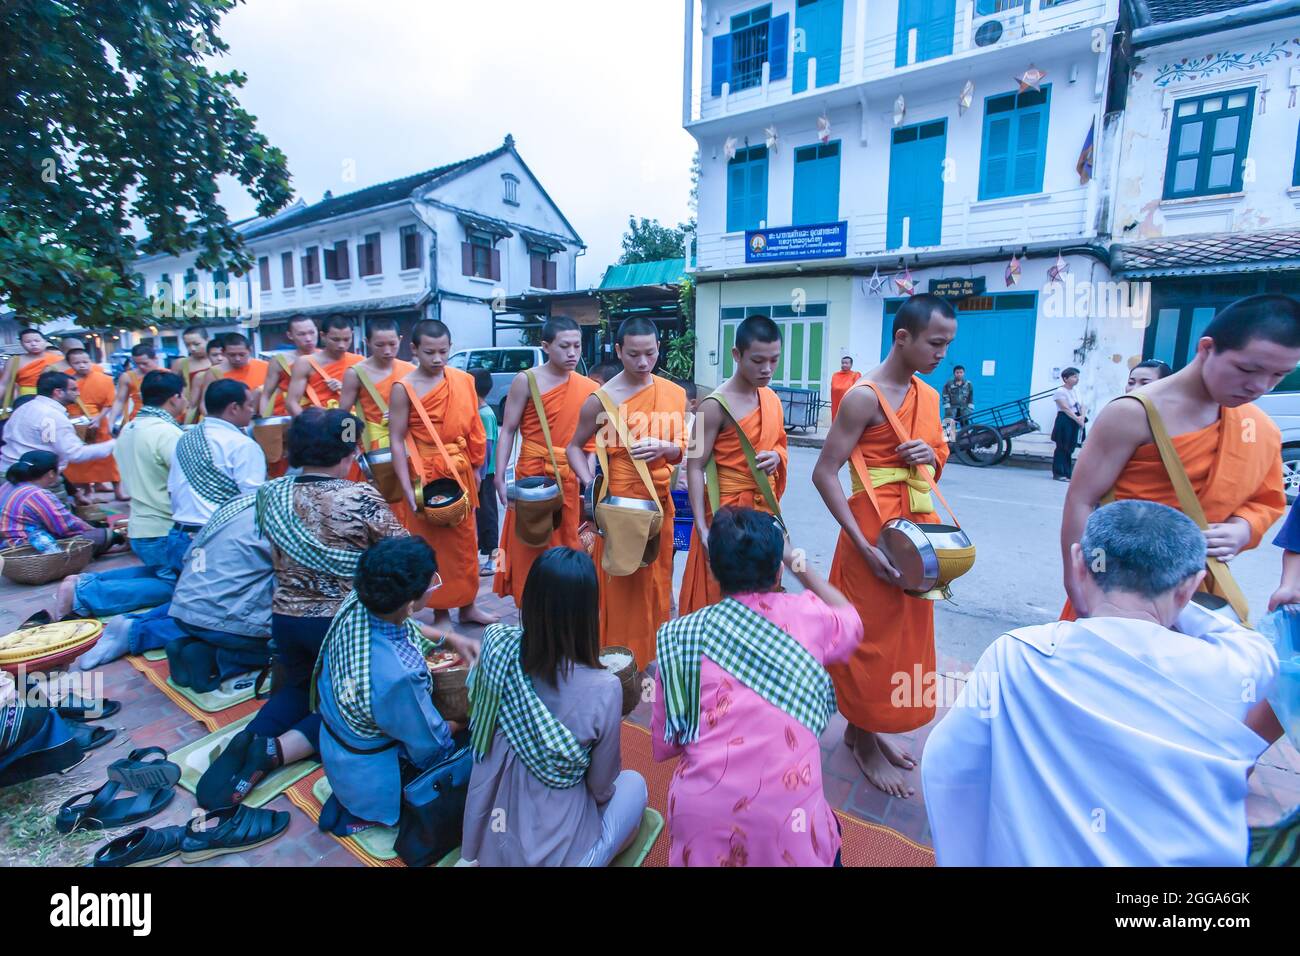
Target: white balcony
1061,217
871,56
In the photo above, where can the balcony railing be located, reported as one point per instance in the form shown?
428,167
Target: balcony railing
1017,22
1063,216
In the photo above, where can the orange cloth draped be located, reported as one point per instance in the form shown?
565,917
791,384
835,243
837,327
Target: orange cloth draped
633,607
899,628
1235,466
133,400
841,382
286,372
765,427
97,393
453,409
372,413
252,375
29,373
335,370
563,404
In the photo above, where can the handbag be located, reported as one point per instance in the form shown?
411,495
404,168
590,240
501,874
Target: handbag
630,526
432,817
458,507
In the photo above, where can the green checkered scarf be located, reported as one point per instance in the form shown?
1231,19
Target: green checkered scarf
153,411
752,649
500,691
223,516
194,455
276,520
347,644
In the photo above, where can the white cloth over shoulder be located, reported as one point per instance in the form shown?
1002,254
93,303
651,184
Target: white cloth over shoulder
1101,742
234,454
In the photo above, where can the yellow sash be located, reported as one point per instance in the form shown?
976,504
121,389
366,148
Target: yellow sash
918,488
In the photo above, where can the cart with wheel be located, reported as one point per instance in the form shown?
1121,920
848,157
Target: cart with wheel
984,437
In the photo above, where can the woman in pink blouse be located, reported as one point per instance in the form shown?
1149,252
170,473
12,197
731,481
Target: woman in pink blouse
742,696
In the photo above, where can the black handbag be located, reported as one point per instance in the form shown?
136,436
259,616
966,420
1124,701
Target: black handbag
433,810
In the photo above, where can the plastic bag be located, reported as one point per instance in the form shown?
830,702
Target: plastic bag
1282,627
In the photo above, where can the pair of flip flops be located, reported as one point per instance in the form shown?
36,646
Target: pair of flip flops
146,772
79,711
232,830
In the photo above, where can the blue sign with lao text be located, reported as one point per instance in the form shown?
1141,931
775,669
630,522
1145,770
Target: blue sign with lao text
828,240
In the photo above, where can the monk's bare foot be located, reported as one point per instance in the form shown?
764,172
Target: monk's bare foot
895,754
473,614
875,766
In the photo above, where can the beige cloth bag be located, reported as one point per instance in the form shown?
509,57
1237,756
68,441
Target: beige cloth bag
631,533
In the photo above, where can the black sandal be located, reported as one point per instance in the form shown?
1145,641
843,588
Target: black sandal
89,736
142,847
76,709
231,830
102,812
139,774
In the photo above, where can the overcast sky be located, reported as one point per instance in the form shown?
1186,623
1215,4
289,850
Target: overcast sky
591,90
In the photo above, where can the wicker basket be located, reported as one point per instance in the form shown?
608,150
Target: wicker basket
26,565
626,676
450,692
48,646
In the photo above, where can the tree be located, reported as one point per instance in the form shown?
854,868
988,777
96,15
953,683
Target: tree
649,241
108,115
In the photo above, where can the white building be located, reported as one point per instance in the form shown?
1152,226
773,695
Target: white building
880,165
439,244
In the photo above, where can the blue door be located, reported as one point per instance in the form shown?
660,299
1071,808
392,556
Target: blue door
816,184
822,26
995,342
934,21
916,184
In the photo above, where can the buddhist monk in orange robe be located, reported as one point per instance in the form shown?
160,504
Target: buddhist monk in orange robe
756,353
380,372
1230,450
24,369
653,409
96,399
237,363
563,392
841,382
899,643
318,379
450,402
127,402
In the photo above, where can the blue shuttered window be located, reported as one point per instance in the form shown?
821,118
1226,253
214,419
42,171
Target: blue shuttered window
916,184
935,23
816,184
1015,143
819,26
1208,142
747,189
756,38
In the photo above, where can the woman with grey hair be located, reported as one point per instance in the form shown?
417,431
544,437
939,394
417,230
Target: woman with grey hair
1118,739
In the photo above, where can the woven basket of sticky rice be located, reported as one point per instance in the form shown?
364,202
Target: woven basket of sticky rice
621,662
47,646
450,691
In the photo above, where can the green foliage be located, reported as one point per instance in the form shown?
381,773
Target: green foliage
109,115
649,241
680,360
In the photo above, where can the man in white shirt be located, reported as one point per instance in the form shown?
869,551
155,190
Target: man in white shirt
42,424
1115,740
215,460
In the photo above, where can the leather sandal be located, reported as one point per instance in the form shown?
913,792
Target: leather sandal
231,830
138,773
98,810
141,847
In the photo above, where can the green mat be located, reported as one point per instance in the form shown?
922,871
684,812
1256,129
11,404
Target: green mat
157,654
376,841
194,758
231,692
1278,845
652,822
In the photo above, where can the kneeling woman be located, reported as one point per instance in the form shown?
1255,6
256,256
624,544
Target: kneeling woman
544,722
374,692
742,694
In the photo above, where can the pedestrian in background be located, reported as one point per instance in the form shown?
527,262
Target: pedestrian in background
488,525
1067,431
959,395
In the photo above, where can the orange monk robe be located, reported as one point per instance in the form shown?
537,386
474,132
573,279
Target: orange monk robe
563,405
841,382
899,628
633,607
133,400
376,419
1235,467
29,373
253,374
317,392
97,394
453,409
278,469
765,427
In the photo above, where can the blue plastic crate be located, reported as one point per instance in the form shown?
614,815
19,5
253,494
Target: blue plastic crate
683,528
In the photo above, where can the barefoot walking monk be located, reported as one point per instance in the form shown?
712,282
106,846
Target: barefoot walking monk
899,628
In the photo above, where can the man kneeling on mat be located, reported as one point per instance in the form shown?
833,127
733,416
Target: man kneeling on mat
373,690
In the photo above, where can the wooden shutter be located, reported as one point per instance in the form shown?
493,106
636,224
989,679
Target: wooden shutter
537,271
721,62
264,273
757,187
341,261
376,261
737,193
1027,171
467,258
778,46
551,268
996,158
496,265
286,269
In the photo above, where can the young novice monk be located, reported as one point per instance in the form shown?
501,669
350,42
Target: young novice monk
22,370
95,401
238,365
563,392
433,419
652,411
369,385
317,379
899,627
757,411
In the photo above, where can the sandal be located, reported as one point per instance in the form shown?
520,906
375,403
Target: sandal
142,847
75,708
139,774
102,812
231,830
89,736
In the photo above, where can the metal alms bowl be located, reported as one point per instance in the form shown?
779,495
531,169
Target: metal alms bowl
534,488
914,550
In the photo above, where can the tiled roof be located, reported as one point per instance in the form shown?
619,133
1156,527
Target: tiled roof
1200,255
370,197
